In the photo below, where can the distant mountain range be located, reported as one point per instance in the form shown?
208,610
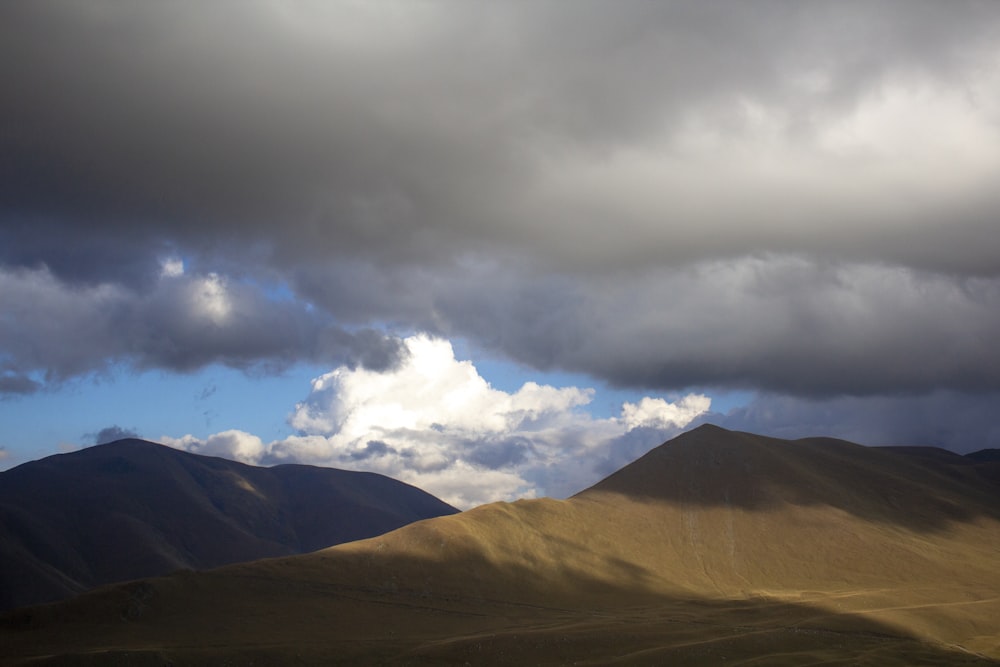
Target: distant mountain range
133,509
717,547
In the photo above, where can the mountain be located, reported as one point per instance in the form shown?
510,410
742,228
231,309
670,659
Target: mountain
984,455
717,547
133,509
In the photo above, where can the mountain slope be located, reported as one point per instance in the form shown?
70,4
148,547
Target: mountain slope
132,509
717,546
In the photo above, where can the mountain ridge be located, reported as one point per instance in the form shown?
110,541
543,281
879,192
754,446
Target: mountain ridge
133,508
715,546
774,471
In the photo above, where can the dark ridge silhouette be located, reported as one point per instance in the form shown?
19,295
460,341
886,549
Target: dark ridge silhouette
921,488
985,455
715,548
132,509
931,454
987,465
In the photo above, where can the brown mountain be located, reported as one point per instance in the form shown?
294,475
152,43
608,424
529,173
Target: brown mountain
715,548
132,509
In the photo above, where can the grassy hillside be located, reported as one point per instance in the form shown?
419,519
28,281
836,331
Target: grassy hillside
715,548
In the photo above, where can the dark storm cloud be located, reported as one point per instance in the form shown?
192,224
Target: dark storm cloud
798,197
54,331
113,433
373,448
17,384
367,348
408,131
76,254
500,453
781,323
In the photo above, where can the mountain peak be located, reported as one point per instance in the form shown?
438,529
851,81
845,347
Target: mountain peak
708,427
717,544
133,508
713,466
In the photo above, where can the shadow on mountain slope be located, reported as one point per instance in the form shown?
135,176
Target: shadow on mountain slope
922,489
351,607
717,547
601,579
132,509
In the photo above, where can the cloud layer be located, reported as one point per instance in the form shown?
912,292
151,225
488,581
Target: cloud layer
647,134
112,433
52,330
435,422
675,196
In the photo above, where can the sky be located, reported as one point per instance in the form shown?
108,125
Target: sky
496,250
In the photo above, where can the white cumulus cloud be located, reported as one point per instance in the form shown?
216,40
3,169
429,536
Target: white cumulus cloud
233,444
433,421
658,413
431,391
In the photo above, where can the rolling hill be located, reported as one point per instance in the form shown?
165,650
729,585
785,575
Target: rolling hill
717,547
133,509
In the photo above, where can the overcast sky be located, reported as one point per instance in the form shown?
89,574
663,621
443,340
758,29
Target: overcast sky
795,202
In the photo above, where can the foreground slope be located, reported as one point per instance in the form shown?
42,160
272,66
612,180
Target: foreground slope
133,509
717,547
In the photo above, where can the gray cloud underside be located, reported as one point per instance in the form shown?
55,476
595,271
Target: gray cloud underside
796,197
413,131
779,323
112,433
51,331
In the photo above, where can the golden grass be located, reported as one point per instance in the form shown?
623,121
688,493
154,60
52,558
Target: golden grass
717,548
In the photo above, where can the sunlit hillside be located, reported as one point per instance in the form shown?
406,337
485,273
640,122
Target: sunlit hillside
715,548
